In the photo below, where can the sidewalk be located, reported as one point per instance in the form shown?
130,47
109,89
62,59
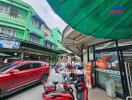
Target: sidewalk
98,94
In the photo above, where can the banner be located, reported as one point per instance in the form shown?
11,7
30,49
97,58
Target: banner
89,74
10,44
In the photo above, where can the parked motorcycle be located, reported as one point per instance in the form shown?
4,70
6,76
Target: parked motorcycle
52,92
81,89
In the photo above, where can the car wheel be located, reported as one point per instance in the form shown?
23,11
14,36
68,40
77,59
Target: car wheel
44,78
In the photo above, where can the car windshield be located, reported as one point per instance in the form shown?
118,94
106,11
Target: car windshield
7,67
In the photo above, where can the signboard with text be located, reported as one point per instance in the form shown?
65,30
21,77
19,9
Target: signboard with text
89,74
10,44
117,11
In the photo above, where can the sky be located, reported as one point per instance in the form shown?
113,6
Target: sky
47,14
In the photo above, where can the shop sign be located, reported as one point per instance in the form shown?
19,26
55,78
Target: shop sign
102,63
9,44
117,11
89,74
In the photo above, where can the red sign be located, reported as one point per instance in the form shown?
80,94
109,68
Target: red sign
102,63
89,73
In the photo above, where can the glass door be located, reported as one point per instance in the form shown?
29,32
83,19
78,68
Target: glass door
111,72
127,55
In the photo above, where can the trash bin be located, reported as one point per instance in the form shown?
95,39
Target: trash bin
110,88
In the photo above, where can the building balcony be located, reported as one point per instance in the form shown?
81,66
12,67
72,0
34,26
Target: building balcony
34,29
12,20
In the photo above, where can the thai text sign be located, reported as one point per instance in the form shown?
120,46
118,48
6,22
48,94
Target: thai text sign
9,44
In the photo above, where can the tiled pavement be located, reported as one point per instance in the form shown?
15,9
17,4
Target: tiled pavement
98,94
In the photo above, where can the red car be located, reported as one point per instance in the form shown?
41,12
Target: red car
21,74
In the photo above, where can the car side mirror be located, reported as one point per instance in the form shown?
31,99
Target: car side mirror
14,71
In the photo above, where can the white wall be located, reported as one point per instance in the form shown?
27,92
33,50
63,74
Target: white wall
85,58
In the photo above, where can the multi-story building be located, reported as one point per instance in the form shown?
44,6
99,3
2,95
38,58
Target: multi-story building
19,22
57,37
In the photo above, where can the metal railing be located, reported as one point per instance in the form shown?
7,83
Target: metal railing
129,98
16,20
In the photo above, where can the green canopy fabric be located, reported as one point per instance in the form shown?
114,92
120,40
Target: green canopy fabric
94,17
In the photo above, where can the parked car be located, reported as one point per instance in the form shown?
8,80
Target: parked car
21,74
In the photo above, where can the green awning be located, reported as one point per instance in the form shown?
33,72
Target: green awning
94,17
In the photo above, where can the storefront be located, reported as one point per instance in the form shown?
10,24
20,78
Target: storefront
28,51
113,62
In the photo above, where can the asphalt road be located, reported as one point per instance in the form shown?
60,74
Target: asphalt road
33,92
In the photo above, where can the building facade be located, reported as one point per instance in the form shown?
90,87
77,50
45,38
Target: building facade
111,60
20,23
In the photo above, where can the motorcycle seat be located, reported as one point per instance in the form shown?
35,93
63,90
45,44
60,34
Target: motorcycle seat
58,91
60,94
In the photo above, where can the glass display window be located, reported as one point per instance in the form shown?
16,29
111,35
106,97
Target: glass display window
104,77
107,70
109,58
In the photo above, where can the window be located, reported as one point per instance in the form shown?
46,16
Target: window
36,65
25,67
48,44
5,9
36,23
111,72
1,8
105,77
14,12
43,27
7,67
111,59
9,10
34,39
2,29
11,32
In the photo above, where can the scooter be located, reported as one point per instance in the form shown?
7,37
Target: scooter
66,92
51,92
81,89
